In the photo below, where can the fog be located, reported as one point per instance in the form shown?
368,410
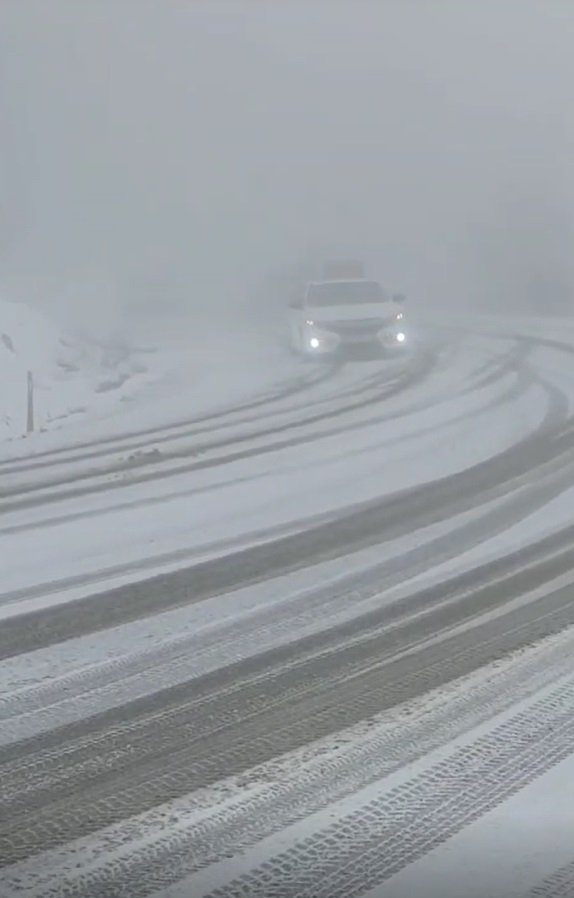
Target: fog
175,151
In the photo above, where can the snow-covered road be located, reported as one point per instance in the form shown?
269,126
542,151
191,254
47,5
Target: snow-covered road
225,481
315,644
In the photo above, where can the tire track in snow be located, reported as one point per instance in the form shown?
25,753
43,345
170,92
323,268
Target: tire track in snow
151,852
499,371
356,528
186,461
558,885
181,658
88,775
168,558
125,442
492,371
209,421
368,846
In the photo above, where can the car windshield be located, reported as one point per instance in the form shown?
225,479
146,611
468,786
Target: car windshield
342,293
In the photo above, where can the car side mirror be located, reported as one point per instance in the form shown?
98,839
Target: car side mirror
399,298
296,304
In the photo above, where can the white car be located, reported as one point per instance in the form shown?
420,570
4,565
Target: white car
338,314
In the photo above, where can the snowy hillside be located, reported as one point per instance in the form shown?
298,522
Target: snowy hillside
71,376
155,370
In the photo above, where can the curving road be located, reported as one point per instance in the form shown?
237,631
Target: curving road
312,709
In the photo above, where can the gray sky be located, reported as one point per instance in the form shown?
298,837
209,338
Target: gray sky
205,142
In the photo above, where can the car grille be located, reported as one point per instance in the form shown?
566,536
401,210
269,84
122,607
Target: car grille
364,328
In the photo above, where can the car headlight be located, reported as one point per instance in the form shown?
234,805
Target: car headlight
400,337
314,343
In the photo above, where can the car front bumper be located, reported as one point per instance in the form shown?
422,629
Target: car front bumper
325,342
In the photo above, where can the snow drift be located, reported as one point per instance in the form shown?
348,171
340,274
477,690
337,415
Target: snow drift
71,375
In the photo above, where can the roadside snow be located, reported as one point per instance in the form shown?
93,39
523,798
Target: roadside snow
72,377
88,390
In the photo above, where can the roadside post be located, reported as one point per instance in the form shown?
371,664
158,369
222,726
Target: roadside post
30,404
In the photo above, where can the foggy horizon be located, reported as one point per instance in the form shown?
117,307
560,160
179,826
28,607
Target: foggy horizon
193,148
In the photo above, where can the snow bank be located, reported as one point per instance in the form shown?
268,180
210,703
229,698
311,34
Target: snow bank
27,341
71,376
149,371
